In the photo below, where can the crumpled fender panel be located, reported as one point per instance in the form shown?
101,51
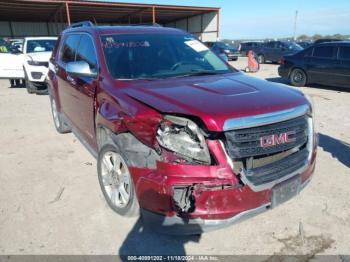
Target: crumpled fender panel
122,116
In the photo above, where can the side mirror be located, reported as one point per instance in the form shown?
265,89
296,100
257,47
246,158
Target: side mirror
80,68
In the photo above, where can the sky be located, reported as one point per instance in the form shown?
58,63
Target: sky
250,19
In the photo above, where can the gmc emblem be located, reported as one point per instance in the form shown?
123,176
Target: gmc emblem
277,139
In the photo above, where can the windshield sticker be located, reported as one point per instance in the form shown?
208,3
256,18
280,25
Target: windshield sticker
196,45
110,43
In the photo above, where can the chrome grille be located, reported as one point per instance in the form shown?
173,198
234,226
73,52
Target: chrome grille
244,143
263,167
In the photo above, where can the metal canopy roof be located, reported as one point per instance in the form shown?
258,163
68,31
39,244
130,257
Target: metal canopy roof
68,11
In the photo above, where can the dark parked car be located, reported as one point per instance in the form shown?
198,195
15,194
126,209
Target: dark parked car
179,135
273,51
305,44
325,40
326,64
245,47
221,48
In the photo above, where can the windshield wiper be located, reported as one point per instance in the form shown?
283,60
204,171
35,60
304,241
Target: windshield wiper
193,73
139,78
200,73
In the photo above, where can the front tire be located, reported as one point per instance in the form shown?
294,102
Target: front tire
116,182
59,123
27,83
298,77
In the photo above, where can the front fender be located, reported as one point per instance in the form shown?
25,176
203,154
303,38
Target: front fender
124,114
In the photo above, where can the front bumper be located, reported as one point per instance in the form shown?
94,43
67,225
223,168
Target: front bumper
177,225
220,197
36,73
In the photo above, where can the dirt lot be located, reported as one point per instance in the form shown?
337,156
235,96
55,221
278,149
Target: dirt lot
51,203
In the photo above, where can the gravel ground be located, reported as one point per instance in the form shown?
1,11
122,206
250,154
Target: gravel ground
51,203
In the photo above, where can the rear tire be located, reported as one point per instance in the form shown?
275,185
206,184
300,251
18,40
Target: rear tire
60,125
116,181
261,59
298,77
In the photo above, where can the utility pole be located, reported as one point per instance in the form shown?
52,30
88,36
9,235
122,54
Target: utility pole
295,25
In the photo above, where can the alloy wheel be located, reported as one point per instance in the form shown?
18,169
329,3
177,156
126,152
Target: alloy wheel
116,179
298,76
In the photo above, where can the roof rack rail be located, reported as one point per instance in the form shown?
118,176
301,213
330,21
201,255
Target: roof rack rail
143,24
81,24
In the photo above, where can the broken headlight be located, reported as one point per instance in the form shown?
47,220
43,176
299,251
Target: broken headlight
183,137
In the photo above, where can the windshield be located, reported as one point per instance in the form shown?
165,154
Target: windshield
152,56
225,46
42,45
294,46
222,45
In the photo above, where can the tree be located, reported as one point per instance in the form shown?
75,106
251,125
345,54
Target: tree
303,37
316,36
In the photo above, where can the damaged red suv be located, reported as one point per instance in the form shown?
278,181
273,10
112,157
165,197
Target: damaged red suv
179,135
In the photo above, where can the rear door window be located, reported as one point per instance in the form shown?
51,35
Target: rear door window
324,51
308,52
344,53
86,52
69,48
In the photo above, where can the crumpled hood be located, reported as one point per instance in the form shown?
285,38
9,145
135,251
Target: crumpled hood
215,99
40,56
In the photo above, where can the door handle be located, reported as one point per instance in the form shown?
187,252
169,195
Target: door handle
71,80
